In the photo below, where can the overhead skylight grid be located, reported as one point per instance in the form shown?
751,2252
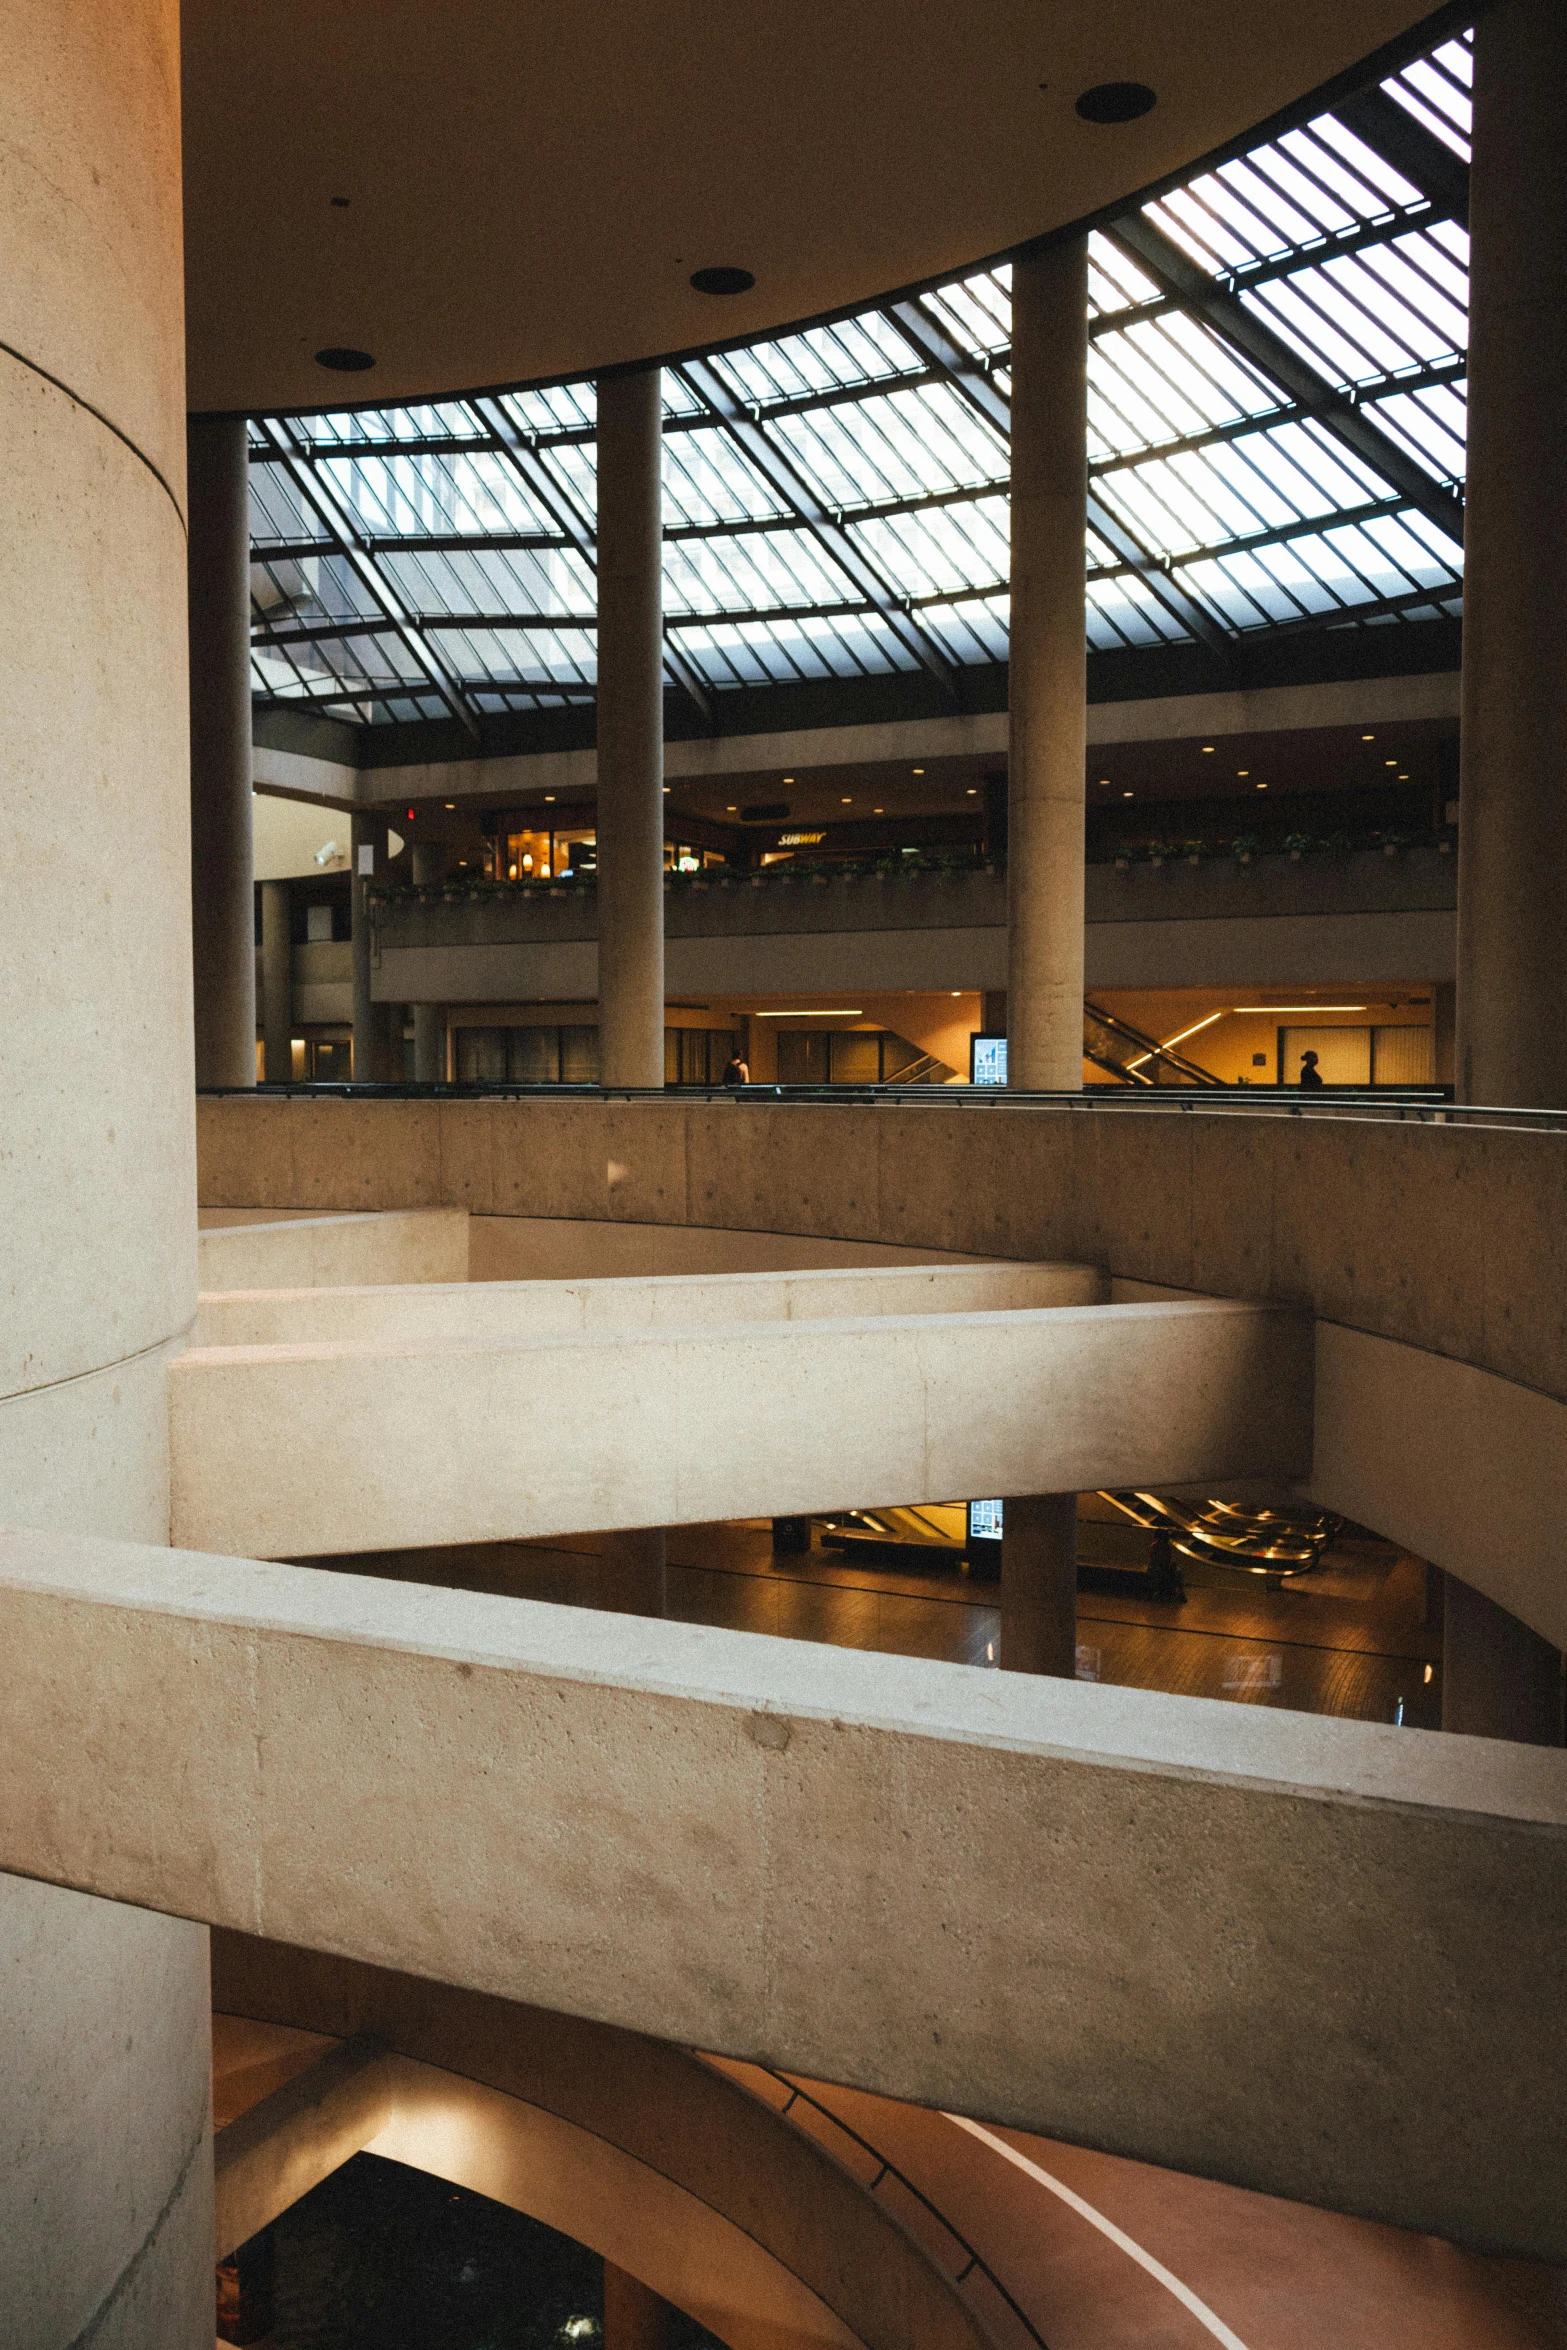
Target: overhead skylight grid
1276,422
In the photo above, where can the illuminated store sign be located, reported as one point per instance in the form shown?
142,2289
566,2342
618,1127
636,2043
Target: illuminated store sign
800,840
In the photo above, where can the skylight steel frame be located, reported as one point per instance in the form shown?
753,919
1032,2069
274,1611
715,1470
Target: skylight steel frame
829,513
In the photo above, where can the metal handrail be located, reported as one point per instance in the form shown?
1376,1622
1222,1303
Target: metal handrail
888,2169
1422,1105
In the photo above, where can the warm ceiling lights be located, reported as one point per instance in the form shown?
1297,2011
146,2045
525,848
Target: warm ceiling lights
1368,738
973,791
1126,795
549,795
722,280
451,803
878,811
344,361
812,1013
916,770
1390,762
733,808
1206,749
1299,1007
845,803
1116,102
1243,770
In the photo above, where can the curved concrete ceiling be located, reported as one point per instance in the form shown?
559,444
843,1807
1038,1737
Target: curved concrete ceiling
486,194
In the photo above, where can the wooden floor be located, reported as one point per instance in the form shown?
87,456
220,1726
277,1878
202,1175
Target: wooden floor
1350,1638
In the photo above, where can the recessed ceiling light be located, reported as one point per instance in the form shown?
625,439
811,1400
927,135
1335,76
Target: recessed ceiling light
344,361
1262,787
1116,102
845,803
1403,779
549,795
1126,795
723,279
1390,762
878,811
1368,738
1243,770
973,791
788,779
1207,747
451,803
1103,780
666,791
917,771
733,809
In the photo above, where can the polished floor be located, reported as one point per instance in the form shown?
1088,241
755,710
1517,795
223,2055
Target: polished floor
1356,1637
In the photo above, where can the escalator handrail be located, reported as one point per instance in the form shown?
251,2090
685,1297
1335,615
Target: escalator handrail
887,2169
1150,1045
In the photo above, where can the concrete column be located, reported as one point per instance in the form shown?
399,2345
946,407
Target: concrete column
374,1061
635,2317
277,981
1049,669
1039,1584
1444,1031
1512,916
1499,1679
223,914
105,2162
429,864
630,731
638,1571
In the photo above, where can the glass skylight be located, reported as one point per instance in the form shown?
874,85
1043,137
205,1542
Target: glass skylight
1276,441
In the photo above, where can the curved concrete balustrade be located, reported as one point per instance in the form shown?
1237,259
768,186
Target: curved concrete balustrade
282,1317
422,1244
399,1443
1318,1957
655,2160
1449,1242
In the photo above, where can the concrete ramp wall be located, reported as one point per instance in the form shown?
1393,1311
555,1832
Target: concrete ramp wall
1321,1958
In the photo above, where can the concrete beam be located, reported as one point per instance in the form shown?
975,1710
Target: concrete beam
517,1436
1162,718
1320,1958
277,2151
540,1309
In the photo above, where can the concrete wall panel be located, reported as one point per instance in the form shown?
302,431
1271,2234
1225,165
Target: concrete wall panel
561,1248
1209,1935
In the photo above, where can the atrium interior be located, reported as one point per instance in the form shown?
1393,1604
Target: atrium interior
785,1414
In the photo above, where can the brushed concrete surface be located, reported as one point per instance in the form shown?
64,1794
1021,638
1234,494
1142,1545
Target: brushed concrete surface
266,2158
105,2124
1317,1957
1461,1467
614,1427
562,1248
428,1244
1450,1238
327,1316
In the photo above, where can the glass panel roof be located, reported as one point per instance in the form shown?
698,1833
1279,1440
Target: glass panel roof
1275,431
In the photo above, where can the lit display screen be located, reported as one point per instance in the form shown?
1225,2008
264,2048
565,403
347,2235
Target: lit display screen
984,1521
988,1063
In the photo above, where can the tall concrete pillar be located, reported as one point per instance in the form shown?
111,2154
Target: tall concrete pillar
277,982
223,913
1048,669
635,2317
374,1059
638,1571
105,2161
630,730
1039,1584
1512,849
1499,1679
429,864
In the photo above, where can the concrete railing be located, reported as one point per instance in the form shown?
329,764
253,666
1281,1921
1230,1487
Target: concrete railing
1448,1242
1321,1958
543,1426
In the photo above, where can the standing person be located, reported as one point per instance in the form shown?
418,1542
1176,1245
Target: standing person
1310,1074
736,1071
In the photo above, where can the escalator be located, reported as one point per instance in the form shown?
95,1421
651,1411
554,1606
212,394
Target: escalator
1274,1543
1131,1058
1269,1542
